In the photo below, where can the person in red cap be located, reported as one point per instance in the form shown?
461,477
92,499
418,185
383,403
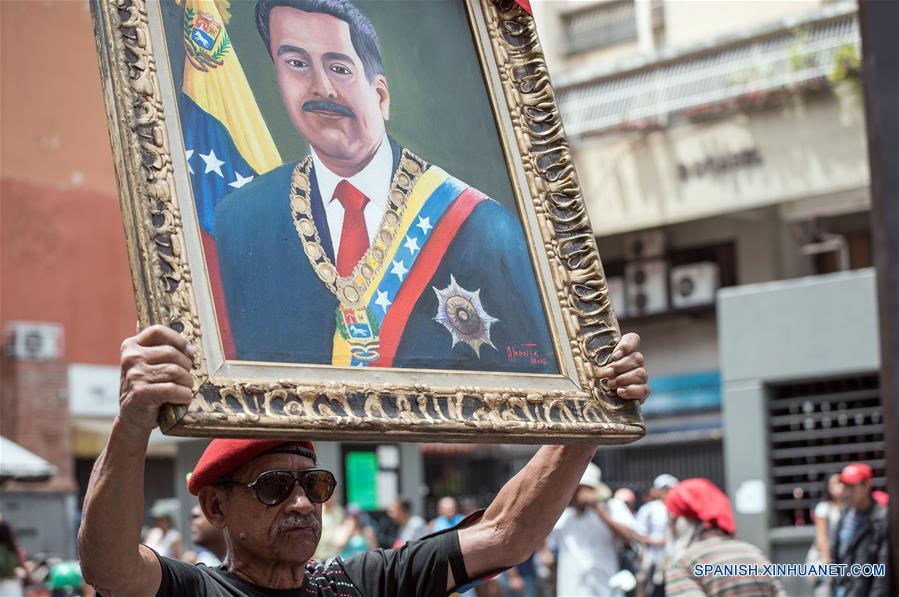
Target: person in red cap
267,497
702,546
861,535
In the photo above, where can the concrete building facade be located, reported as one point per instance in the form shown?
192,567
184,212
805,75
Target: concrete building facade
724,163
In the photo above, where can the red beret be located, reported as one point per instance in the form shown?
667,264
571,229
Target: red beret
856,473
699,499
223,456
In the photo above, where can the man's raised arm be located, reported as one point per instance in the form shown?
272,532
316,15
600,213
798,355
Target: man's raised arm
526,508
155,370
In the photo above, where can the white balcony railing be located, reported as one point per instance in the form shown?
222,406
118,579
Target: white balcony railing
793,54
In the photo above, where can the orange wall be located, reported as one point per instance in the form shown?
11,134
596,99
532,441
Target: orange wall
62,249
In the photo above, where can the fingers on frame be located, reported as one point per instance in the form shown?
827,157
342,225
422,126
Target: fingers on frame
628,344
166,353
638,376
157,335
632,361
634,392
134,355
162,393
160,373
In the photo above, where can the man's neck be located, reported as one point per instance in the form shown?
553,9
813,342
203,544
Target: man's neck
268,574
349,168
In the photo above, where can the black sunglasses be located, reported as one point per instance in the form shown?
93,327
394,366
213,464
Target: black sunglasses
273,487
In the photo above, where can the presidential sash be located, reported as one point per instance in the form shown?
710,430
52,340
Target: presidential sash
436,208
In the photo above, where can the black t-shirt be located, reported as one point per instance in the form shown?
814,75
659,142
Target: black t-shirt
418,568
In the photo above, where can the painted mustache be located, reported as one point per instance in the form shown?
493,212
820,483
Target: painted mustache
294,522
327,106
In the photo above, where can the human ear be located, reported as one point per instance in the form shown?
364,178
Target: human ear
214,504
383,91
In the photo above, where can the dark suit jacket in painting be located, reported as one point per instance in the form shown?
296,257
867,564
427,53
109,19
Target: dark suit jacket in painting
280,311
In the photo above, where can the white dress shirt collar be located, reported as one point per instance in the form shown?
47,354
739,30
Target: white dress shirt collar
373,181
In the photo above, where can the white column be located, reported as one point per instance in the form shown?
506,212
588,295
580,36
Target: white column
645,38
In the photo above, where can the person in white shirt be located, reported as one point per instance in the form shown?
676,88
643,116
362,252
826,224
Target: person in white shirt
652,523
163,536
586,539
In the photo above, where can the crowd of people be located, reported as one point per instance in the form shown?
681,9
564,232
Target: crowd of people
603,544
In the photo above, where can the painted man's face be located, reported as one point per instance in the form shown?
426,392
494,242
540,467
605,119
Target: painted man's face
328,97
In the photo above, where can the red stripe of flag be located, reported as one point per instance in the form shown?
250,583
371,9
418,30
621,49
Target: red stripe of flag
422,271
218,293
526,5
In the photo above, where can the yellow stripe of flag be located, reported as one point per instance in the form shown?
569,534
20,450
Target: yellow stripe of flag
432,178
224,93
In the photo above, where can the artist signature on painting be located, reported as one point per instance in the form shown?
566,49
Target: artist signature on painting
525,353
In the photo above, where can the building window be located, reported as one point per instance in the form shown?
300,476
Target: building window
816,428
600,25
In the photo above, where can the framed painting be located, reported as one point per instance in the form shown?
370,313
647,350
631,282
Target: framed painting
365,217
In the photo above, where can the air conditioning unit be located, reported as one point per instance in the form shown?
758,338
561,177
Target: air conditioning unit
645,245
616,295
646,287
34,340
694,284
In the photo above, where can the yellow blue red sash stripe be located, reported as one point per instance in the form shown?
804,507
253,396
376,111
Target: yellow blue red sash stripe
432,195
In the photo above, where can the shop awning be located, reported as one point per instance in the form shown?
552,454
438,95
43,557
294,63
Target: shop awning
19,464
90,434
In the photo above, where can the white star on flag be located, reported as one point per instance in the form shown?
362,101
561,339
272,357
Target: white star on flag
382,300
399,269
412,244
213,164
239,181
424,224
187,155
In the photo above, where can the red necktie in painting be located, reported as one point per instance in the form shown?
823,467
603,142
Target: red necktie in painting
354,237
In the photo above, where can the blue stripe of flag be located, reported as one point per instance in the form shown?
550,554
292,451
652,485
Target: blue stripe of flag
216,166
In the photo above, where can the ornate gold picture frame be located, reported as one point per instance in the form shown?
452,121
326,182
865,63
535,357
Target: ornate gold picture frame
481,382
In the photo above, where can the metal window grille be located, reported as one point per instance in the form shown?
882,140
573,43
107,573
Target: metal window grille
599,26
636,466
815,429
774,60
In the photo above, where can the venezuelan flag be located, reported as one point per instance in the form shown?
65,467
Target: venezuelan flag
226,141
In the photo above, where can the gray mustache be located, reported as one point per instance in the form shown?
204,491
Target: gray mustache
327,106
296,521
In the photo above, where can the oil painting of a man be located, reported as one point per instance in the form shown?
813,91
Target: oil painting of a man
363,253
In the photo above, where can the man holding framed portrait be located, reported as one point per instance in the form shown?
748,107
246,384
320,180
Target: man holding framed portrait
507,334
267,496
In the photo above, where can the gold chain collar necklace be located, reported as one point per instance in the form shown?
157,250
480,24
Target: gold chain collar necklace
350,290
